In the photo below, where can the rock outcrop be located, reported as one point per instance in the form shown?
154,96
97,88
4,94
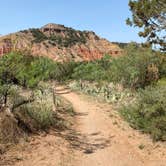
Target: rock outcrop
59,43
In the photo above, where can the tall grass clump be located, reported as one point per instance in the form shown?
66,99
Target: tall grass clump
41,116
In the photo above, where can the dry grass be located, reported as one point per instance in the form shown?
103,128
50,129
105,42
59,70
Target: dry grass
41,114
9,129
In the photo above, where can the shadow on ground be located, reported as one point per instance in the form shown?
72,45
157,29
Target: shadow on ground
86,143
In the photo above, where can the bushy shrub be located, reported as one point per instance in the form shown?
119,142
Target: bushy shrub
88,71
28,71
93,71
63,72
14,68
139,67
149,112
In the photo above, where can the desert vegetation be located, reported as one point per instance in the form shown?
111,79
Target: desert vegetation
27,103
45,118
71,37
148,113
27,71
137,77
134,81
137,68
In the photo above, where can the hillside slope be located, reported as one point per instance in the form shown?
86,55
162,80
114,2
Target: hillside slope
59,43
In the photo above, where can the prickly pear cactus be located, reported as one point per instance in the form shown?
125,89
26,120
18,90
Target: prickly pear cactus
109,92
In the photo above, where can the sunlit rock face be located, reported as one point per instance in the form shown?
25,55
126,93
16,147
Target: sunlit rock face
59,43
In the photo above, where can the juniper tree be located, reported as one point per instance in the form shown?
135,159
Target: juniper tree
150,16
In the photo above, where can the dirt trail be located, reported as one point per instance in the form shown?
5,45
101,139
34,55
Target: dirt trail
99,138
106,140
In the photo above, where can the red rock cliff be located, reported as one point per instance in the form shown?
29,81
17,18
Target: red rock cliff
59,43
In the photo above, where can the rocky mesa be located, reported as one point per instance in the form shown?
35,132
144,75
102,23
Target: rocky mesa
59,43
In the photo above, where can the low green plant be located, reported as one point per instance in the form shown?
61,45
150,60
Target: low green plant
148,113
162,82
106,91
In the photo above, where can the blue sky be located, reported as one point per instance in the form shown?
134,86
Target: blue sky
105,17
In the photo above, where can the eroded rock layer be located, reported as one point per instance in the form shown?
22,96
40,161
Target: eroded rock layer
59,43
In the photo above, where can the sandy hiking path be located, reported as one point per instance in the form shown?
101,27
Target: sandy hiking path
99,137
107,140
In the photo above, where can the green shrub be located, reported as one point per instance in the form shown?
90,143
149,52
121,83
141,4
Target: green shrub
149,112
88,71
28,71
139,67
38,35
162,82
63,72
97,71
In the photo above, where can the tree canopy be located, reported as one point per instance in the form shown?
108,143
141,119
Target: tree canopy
150,16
